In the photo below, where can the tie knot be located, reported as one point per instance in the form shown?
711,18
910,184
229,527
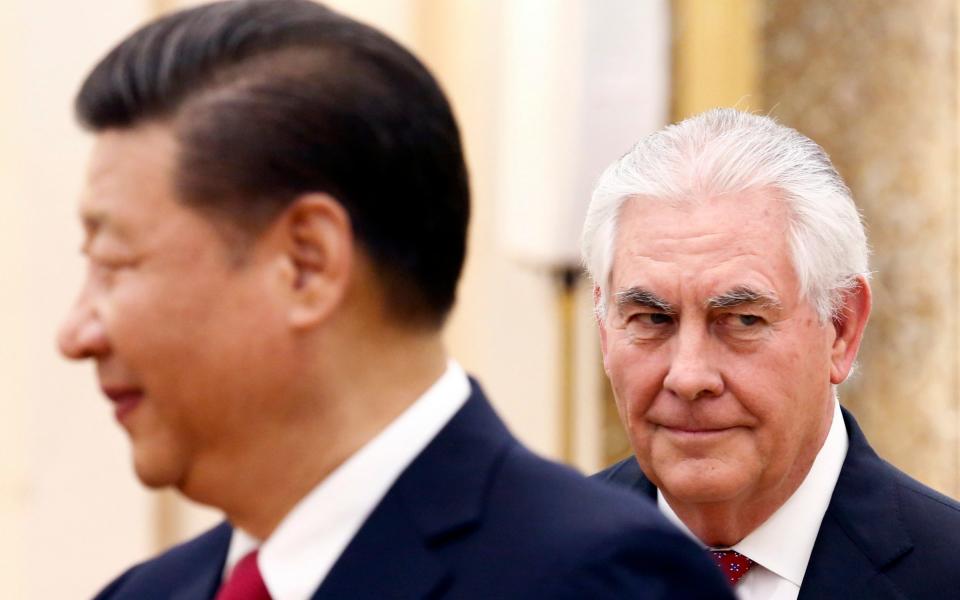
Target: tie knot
733,564
245,581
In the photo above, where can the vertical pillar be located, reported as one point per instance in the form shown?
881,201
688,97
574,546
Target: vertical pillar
876,84
716,58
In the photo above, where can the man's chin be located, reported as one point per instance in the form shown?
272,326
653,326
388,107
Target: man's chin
154,472
696,483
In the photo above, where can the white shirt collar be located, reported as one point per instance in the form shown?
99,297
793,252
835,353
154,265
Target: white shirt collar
303,548
798,519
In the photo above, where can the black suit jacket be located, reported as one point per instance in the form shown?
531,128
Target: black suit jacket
476,515
884,535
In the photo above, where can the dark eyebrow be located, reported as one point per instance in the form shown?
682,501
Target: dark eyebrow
93,221
741,295
637,296
97,223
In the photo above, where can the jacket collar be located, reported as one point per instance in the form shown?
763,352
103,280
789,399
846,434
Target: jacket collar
862,532
439,498
201,567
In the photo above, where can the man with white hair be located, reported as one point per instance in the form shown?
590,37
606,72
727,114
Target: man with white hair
731,288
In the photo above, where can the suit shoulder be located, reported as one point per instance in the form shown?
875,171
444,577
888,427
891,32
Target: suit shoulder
625,472
158,577
926,512
931,521
918,495
604,541
558,504
563,488
659,565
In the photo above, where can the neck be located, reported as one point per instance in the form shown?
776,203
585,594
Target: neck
721,525
349,397
725,523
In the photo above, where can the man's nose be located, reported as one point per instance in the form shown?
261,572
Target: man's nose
693,372
82,334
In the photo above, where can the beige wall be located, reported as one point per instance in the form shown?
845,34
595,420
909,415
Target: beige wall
68,504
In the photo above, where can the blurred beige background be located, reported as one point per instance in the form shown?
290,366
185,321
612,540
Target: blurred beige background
536,86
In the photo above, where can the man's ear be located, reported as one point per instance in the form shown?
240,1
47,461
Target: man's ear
849,325
318,247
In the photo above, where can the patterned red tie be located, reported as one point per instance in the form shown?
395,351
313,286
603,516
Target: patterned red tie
245,581
733,564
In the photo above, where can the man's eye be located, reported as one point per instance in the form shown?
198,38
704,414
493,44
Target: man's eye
660,319
653,319
742,324
649,326
110,264
106,265
742,327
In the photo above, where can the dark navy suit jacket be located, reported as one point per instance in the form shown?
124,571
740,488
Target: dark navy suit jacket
884,536
477,516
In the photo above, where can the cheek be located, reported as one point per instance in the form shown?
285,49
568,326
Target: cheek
765,392
785,391
799,374
156,324
636,376
133,317
175,332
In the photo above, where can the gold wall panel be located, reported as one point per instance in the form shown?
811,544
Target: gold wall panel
716,57
875,83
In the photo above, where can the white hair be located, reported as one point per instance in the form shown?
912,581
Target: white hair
726,151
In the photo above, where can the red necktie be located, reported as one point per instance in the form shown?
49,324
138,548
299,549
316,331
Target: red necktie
245,581
733,564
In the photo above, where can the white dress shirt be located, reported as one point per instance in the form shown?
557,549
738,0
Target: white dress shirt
781,546
303,548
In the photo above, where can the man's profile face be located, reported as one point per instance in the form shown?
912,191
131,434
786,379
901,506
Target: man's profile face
721,372
181,334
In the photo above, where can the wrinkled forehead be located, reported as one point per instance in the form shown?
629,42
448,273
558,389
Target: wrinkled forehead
759,210
724,241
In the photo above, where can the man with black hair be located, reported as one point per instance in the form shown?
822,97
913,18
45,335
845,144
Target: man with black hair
275,214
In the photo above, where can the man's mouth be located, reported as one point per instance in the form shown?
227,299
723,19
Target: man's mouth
696,431
125,400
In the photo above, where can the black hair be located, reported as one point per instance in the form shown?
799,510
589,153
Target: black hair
271,99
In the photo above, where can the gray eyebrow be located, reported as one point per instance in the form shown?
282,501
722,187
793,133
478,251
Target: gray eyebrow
741,295
638,296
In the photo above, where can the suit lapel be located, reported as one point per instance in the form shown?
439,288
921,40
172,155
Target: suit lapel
199,576
202,583
388,558
839,568
440,497
862,531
